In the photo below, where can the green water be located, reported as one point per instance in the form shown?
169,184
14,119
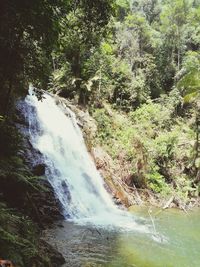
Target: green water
181,248
177,242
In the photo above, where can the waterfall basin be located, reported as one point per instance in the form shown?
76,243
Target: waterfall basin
85,245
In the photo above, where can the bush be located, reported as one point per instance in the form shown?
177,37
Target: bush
156,147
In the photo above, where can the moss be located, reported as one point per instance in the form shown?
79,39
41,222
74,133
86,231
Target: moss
19,238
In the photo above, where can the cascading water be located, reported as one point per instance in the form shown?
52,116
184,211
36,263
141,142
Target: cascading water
70,170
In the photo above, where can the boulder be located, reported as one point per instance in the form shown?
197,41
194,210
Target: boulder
56,258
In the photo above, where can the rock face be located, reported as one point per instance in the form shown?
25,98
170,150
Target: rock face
111,171
88,124
45,206
55,257
84,120
39,169
40,204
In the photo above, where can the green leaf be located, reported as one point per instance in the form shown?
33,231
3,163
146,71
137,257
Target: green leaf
190,97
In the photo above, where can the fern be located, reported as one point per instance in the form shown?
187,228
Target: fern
190,83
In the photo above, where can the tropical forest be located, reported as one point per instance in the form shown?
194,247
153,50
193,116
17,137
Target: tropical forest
100,133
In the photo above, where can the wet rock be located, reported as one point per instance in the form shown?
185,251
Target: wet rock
39,169
84,120
56,258
38,200
120,198
20,117
89,125
113,173
117,201
48,206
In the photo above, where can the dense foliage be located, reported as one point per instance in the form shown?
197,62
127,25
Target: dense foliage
135,64
149,72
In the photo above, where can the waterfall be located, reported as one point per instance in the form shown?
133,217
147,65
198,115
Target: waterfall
70,170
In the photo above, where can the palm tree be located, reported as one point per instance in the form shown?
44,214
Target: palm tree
190,84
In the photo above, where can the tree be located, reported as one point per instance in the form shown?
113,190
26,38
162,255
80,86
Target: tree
82,30
149,8
174,18
190,86
28,31
135,40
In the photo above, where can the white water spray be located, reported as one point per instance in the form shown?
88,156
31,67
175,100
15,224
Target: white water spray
70,170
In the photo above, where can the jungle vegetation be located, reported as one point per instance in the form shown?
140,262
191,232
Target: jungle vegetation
133,64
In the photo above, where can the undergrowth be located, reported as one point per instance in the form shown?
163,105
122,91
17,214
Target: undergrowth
157,143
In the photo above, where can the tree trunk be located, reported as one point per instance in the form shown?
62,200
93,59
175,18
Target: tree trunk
178,52
76,70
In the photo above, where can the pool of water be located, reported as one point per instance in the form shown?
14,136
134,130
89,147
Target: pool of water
174,242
